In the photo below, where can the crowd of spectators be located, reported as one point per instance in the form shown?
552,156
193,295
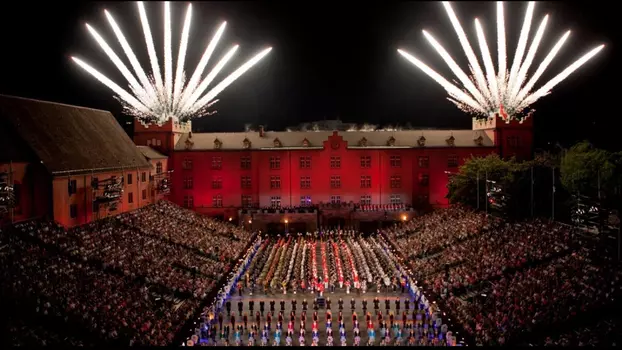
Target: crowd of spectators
124,279
502,280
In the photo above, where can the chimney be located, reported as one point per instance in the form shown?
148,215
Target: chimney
261,132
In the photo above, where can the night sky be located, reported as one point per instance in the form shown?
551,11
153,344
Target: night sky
328,62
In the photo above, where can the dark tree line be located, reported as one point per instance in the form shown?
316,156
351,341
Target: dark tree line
550,185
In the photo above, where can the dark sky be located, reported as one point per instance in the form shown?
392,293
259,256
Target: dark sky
327,62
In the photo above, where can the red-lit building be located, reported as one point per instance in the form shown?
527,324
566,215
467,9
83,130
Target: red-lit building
62,160
219,173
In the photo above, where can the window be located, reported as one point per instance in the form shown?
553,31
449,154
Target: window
216,163
245,162
144,194
247,201
513,142
130,197
305,162
396,199
424,161
424,179
129,179
275,162
72,187
275,201
186,165
217,201
73,211
188,183
159,167
95,183
188,202
396,161
305,182
217,183
335,162
335,182
365,181
396,181
365,200
452,161
143,177
275,182
245,182
335,199
365,162
305,201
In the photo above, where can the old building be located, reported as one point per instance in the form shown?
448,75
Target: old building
71,164
219,173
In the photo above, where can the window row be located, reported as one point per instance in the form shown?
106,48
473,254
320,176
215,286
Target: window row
275,201
72,185
305,182
304,162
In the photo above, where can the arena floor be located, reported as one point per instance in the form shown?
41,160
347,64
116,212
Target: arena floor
334,297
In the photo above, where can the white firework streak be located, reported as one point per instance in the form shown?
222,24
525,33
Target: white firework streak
485,96
159,98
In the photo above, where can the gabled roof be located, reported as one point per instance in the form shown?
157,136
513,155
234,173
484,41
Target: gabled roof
295,139
71,139
150,153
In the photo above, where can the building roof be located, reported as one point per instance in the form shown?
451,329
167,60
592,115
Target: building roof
71,139
295,139
150,153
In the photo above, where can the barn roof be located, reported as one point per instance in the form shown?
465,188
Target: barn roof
315,139
71,139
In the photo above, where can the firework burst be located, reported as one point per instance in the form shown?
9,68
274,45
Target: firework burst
507,93
157,98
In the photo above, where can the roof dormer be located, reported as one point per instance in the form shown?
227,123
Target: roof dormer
246,143
391,141
277,142
451,141
421,141
217,144
363,142
306,143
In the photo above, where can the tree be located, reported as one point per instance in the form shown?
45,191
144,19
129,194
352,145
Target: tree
586,170
463,186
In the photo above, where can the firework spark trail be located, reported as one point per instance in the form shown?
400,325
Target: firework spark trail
490,69
501,48
230,79
545,63
501,90
464,79
168,52
545,89
153,57
522,72
464,41
196,76
126,96
183,46
451,88
210,76
135,86
522,44
153,98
